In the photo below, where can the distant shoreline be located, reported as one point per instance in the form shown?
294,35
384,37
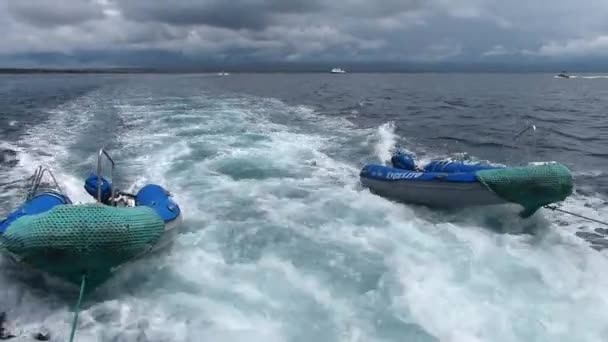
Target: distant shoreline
20,71
72,71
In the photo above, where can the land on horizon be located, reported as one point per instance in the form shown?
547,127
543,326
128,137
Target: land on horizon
300,69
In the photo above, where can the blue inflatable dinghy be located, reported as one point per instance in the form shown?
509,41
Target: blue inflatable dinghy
453,183
50,233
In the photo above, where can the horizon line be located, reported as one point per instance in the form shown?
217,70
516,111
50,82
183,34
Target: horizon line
208,70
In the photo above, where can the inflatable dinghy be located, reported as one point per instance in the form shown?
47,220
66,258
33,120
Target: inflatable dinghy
456,184
50,233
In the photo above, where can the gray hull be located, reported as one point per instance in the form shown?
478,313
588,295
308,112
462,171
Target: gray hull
434,194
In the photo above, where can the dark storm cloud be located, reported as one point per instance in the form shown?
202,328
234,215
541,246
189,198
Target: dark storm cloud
308,30
234,14
258,14
50,13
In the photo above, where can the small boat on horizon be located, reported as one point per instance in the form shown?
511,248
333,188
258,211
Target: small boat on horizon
563,74
338,71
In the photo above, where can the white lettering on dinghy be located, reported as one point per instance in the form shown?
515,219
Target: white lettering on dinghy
403,175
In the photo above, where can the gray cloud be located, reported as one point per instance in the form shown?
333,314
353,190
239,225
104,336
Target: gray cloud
310,30
46,14
235,14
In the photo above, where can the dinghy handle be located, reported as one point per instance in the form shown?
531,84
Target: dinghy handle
37,180
103,152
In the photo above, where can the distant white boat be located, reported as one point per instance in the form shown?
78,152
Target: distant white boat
222,73
338,71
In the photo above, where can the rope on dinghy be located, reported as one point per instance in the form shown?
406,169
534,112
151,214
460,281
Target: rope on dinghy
83,284
555,208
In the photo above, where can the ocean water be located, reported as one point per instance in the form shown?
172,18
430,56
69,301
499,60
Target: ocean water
281,243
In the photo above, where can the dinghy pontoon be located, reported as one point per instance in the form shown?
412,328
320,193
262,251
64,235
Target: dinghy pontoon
452,183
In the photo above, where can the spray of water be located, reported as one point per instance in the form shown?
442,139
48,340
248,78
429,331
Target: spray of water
386,140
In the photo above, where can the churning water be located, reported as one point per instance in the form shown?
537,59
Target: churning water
281,243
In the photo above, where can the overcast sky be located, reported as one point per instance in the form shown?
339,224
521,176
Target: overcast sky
302,30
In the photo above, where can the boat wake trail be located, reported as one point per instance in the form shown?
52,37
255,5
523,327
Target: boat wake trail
280,242
588,77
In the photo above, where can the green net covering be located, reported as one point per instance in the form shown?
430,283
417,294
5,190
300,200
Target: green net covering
531,186
70,240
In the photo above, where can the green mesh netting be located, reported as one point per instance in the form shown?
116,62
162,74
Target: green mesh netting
530,186
71,239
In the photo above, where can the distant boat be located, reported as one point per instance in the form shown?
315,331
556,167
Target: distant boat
563,74
338,71
223,73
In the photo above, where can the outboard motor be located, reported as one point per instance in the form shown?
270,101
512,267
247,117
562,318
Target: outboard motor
90,185
403,161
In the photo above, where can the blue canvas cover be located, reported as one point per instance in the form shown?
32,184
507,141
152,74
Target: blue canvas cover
452,166
38,204
90,185
403,161
158,198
